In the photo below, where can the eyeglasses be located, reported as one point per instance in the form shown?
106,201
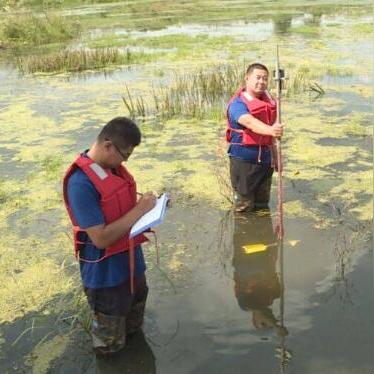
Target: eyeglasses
125,156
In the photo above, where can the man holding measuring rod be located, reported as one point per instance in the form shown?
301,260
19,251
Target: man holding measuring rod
251,130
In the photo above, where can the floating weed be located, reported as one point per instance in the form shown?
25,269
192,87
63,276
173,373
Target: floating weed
4,193
297,209
46,351
355,129
29,289
52,166
315,164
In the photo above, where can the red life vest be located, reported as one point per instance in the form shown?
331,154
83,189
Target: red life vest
117,197
264,109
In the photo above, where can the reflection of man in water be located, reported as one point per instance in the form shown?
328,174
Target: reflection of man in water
256,281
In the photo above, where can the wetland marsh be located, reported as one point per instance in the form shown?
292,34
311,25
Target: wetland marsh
195,320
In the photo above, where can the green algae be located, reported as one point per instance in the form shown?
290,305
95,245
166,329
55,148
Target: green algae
43,354
299,209
31,286
181,156
182,160
316,163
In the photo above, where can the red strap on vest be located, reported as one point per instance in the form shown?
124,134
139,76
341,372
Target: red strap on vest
132,264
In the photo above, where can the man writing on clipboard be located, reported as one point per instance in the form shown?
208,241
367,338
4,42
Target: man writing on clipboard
101,199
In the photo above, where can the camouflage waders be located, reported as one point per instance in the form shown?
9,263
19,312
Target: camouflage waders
116,314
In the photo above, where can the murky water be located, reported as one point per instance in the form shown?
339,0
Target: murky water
228,298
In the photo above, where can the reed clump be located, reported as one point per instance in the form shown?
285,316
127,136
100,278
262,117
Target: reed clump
78,60
302,80
36,29
198,94
204,93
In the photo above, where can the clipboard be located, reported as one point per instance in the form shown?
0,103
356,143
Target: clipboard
152,218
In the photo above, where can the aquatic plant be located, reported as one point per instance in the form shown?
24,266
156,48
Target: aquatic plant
136,108
355,129
222,172
197,94
204,93
4,194
79,60
52,166
306,30
31,29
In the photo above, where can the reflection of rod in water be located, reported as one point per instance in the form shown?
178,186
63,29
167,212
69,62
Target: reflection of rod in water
283,359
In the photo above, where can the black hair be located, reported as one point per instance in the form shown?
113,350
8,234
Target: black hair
256,65
122,131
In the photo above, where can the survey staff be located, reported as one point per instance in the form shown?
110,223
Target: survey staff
101,200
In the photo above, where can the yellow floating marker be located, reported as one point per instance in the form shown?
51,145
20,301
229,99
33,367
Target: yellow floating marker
254,248
293,243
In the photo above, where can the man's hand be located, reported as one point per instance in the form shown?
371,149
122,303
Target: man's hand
277,130
147,202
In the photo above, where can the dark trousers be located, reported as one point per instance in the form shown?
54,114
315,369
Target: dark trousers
116,313
251,182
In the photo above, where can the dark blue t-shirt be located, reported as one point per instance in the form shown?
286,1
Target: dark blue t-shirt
84,201
247,153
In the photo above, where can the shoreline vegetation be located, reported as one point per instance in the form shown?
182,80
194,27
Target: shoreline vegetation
79,60
71,37
30,30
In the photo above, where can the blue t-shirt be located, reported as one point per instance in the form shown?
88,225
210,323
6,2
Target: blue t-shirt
84,201
247,153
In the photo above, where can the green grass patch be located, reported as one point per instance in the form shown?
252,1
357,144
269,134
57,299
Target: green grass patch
110,40
306,30
80,60
174,47
365,28
38,29
182,41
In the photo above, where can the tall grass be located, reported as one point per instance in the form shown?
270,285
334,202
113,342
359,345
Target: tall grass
198,94
204,93
78,60
31,29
